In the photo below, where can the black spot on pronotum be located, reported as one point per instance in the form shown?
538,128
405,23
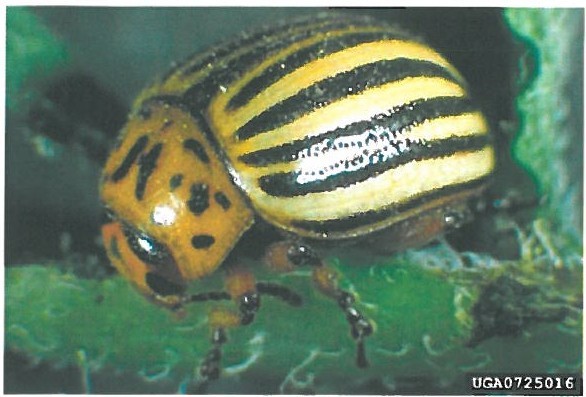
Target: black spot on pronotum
202,241
130,158
197,148
114,250
147,164
175,181
166,124
222,200
163,286
199,200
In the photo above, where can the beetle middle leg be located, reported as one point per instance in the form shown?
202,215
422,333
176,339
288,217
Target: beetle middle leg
287,256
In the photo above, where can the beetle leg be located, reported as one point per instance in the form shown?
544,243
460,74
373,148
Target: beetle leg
242,288
241,285
326,281
210,368
286,256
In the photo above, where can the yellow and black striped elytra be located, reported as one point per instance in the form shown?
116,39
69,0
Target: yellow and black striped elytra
331,127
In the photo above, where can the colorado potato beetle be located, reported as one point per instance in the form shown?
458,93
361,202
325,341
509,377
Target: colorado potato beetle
330,128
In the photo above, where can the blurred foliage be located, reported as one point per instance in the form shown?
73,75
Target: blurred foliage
32,53
422,316
549,143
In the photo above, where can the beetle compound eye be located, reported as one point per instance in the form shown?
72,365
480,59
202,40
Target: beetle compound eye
147,249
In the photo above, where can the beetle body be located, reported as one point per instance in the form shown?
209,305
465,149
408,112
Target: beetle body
329,128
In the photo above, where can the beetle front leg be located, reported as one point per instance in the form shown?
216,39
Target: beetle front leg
287,256
240,288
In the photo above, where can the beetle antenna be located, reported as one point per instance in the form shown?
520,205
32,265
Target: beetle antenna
207,296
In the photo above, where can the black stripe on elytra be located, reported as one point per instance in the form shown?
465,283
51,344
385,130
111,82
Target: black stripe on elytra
146,165
277,36
337,87
202,241
200,60
130,158
395,121
199,201
200,93
222,200
366,218
195,146
286,185
302,57
175,181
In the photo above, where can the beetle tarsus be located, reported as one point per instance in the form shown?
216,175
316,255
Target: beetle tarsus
361,360
360,326
210,368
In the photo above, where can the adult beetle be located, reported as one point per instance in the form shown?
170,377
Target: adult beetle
330,128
